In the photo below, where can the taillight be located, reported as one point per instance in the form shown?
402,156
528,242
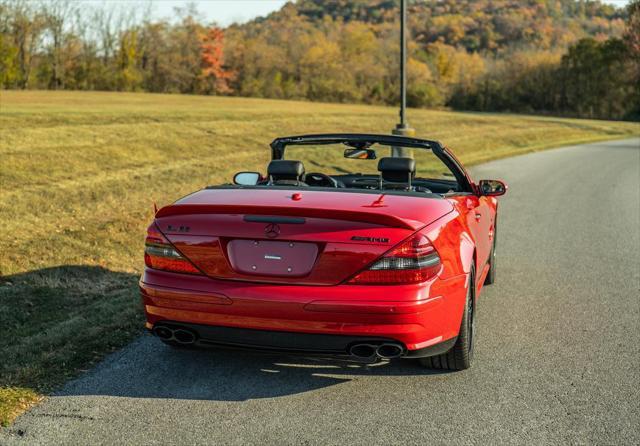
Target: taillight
159,253
414,261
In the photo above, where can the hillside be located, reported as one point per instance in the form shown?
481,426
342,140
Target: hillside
552,57
475,25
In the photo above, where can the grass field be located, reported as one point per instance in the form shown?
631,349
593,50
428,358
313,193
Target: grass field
79,175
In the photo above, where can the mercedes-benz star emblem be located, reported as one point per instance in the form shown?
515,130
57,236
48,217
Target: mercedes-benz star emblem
272,230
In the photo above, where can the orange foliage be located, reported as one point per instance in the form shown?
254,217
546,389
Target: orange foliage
213,71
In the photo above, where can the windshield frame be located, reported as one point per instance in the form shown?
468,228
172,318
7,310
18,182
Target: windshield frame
278,147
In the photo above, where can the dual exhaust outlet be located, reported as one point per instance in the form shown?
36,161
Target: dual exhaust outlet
387,350
179,335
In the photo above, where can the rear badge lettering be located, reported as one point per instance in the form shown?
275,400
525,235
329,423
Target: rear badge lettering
172,228
359,238
272,257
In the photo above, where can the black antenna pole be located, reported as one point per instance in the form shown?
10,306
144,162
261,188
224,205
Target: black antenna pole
403,128
403,64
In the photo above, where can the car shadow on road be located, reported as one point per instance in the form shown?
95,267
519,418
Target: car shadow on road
72,302
149,369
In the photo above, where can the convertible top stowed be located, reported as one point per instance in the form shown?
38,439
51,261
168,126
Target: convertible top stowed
366,140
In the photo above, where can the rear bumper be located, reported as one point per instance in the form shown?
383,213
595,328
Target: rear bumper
324,319
290,342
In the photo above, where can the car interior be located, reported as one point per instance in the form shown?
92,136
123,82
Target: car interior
394,174
340,170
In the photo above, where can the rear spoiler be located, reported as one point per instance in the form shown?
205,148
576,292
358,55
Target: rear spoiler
358,216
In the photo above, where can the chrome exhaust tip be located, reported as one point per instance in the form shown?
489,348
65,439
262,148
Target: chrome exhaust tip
389,351
179,335
363,351
164,333
184,336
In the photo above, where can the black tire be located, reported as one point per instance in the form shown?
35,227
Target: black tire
491,275
461,354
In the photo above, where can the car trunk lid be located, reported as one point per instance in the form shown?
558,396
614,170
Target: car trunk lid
270,235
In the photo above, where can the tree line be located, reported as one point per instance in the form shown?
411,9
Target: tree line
568,57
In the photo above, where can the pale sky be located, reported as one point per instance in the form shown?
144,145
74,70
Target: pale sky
225,12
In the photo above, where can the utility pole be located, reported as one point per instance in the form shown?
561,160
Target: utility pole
403,128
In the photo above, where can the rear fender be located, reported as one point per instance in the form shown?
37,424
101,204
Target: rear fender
454,244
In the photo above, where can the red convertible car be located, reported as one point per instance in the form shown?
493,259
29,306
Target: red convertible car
367,257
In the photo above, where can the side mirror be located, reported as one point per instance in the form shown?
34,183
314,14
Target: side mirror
492,188
246,178
360,154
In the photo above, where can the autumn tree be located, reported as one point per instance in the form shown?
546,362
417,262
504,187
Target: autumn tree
214,76
21,29
599,79
57,15
632,41
129,54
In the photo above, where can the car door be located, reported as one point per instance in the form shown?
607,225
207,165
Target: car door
479,220
477,209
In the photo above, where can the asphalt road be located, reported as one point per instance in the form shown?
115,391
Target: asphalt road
556,361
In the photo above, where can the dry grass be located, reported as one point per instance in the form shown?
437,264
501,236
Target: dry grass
14,401
79,175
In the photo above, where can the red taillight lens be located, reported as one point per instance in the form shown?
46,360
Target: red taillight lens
414,261
159,253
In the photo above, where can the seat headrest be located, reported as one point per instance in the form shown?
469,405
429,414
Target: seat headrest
396,169
285,170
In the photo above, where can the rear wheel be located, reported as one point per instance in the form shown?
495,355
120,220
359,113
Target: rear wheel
461,354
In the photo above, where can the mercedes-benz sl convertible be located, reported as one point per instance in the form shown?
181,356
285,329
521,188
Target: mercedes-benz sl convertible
364,246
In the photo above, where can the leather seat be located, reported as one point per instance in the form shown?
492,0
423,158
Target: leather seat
286,173
400,171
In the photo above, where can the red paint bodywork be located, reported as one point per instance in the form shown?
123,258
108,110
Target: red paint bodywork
460,227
